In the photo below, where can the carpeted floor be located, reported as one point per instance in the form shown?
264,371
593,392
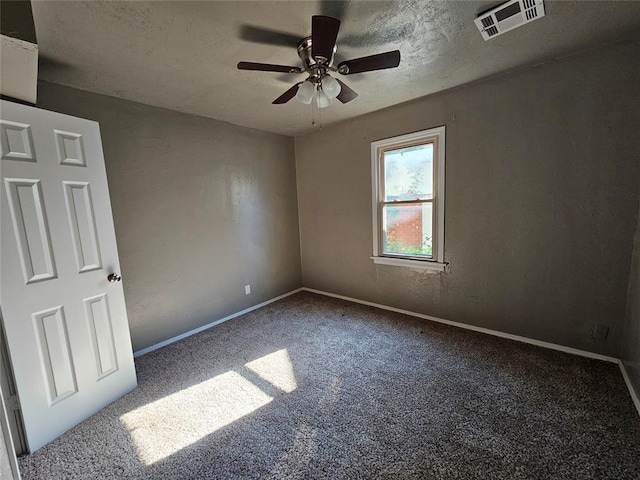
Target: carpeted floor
314,387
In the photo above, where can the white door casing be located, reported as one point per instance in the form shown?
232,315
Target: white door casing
66,324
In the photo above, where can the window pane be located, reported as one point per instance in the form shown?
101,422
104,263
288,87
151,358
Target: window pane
407,230
408,173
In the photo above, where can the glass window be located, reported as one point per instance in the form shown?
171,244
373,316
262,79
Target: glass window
408,186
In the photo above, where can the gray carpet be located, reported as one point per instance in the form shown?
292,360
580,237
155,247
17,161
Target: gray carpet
314,387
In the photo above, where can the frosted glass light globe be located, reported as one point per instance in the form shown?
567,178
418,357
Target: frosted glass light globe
305,92
330,86
323,100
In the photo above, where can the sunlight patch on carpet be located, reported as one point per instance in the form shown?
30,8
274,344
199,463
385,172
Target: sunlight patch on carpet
277,369
172,423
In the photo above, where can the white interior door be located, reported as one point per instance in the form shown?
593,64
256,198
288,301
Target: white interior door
66,324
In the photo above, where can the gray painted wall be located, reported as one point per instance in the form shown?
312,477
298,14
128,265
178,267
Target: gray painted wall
16,20
542,192
201,209
631,347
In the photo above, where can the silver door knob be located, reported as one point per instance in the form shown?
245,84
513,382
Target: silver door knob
114,277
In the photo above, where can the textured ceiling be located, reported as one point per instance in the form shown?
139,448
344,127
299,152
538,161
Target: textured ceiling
183,55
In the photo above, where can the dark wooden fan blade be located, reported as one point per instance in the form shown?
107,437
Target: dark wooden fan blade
267,67
254,34
324,32
286,96
373,62
346,94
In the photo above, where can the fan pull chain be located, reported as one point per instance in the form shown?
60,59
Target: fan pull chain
313,111
314,107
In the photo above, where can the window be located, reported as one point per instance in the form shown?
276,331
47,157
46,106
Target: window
408,200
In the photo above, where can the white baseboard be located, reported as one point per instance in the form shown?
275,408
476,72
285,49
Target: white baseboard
212,324
517,338
632,390
496,333
553,346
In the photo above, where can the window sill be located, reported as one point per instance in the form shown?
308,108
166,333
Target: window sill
405,262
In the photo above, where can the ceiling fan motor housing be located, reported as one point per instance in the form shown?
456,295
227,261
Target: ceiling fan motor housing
316,68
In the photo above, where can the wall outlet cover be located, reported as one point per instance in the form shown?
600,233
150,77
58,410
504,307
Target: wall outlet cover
247,289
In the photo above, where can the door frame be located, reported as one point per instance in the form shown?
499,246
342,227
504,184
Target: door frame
7,439
9,393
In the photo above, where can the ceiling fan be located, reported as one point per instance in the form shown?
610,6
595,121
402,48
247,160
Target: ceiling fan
316,53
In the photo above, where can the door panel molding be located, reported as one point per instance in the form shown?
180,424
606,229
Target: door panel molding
17,142
82,222
55,353
31,229
100,323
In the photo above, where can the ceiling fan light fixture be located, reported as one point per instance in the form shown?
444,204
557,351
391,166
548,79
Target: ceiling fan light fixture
323,100
317,55
330,86
305,92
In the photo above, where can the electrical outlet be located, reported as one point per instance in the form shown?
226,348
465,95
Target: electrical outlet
600,332
247,289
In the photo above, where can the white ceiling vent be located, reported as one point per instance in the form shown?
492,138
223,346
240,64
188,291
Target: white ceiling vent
508,16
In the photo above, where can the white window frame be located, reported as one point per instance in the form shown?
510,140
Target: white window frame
437,137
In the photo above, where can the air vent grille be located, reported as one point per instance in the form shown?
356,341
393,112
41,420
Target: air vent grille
491,31
508,12
509,15
487,22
